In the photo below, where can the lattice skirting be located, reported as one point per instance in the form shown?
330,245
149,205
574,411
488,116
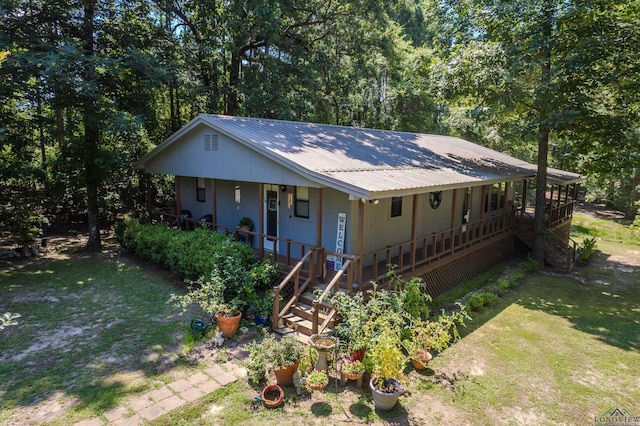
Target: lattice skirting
444,277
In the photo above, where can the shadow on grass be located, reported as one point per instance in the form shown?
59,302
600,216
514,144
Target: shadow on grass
610,314
87,330
600,299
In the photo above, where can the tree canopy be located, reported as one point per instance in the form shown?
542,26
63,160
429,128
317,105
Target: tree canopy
88,87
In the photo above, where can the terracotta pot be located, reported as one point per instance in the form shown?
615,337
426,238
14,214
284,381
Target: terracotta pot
421,360
354,376
228,325
320,386
284,376
385,401
272,396
358,355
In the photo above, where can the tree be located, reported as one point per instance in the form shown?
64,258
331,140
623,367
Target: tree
93,61
528,66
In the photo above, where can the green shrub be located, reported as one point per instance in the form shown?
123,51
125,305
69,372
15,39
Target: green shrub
479,300
587,249
475,302
530,265
503,285
196,254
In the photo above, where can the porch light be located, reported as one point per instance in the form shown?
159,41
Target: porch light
374,201
283,188
237,194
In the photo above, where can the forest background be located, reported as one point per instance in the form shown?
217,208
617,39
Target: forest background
87,87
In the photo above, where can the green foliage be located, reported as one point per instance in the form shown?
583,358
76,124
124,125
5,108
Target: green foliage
530,265
272,354
352,367
264,273
415,299
387,358
478,300
435,334
587,249
354,314
209,294
317,378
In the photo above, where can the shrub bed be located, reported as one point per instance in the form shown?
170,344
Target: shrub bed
188,255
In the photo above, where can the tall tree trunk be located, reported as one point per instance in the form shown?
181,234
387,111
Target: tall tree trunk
91,132
544,98
233,105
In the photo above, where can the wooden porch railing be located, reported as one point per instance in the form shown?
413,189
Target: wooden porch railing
560,213
412,254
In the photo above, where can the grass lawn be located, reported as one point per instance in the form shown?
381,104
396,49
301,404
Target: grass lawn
558,349
91,334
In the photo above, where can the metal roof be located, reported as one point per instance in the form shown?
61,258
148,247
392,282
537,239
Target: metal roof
367,162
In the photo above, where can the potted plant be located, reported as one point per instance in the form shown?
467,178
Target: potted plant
354,314
263,306
280,355
388,362
209,295
436,335
246,224
352,369
317,379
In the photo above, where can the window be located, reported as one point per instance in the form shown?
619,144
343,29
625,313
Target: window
396,206
200,190
301,206
494,197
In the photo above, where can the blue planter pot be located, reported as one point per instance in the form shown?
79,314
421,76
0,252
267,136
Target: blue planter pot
263,320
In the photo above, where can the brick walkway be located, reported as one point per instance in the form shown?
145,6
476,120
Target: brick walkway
158,402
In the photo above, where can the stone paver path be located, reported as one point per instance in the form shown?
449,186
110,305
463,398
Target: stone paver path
157,402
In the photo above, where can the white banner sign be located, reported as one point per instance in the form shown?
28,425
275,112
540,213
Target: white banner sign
340,233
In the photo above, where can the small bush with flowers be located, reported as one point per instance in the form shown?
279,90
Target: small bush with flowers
352,368
317,379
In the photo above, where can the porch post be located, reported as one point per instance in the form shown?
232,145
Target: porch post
523,207
414,231
319,219
261,218
214,205
454,206
360,239
177,191
483,203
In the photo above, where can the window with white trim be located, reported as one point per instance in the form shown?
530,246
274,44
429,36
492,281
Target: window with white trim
396,206
301,204
201,190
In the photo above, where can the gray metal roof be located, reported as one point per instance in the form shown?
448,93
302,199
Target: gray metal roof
367,162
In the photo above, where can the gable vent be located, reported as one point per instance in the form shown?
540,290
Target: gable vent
211,142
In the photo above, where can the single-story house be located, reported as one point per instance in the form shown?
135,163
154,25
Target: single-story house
326,198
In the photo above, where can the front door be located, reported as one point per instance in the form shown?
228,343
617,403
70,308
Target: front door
271,215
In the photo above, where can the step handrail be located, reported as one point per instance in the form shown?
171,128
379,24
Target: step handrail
294,275
559,246
315,329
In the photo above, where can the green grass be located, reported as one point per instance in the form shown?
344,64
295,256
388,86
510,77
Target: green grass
557,349
82,323
587,227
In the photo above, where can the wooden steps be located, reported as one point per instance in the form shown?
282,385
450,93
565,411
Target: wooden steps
300,316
